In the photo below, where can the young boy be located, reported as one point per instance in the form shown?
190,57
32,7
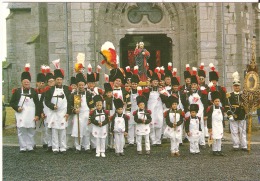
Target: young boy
174,119
215,122
192,128
119,127
143,118
99,118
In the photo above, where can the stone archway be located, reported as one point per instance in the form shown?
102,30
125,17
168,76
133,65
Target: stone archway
179,23
159,46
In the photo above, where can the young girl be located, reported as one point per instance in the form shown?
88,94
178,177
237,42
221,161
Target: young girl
174,119
192,128
215,115
143,118
99,118
119,127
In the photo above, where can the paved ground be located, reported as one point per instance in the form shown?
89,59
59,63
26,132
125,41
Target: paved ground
41,165
236,165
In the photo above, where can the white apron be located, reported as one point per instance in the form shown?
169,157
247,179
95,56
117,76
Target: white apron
155,105
56,117
194,130
83,119
217,125
142,129
173,133
119,126
26,117
99,132
134,107
196,99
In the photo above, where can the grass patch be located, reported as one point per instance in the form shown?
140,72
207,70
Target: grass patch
10,120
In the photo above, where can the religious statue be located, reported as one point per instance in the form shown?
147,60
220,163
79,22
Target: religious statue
141,56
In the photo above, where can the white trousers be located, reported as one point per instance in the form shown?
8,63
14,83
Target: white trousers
238,133
194,146
45,136
216,146
92,138
131,133
26,138
69,139
49,136
139,142
155,135
100,145
202,135
119,142
59,140
84,142
174,145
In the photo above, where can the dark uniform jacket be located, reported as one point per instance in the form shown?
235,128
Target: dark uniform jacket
187,124
209,114
112,119
233,107
93,116
16,98
140,121
167,118
49,95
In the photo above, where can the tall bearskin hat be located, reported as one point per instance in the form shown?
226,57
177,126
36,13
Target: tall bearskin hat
175,81
172,99
49,75
91,76
213,74
187,73
97,98
201,72
58,72
80,78
41,76
26,74
73,80
215,95
118,103
128,73
168,71
194,78
117,73
194,107
141,99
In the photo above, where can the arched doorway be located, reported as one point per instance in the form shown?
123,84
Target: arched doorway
159,46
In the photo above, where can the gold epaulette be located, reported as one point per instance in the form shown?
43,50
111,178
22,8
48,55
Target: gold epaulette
228,94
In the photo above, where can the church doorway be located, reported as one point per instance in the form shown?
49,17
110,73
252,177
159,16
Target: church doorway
159,46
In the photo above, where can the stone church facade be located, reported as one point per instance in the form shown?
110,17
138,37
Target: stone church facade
218,33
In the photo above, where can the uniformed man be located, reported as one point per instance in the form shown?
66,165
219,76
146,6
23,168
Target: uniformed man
236,116
25,102
57,99
81,115
40,87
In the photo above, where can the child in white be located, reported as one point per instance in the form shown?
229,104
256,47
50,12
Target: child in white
99,119
143,118
192,128
174,120
215,123
119,127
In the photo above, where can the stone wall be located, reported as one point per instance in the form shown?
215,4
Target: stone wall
220,33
